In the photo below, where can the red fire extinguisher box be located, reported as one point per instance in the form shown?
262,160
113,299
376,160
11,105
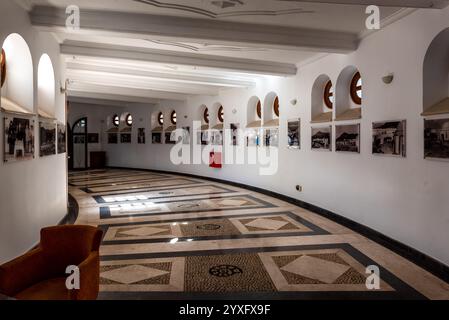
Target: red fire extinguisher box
215,160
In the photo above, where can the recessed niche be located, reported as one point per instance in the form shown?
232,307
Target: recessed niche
271,110
125,123
348,95
322,99
157,121
46,88
254,113
17,91
436,76
113,123
218,115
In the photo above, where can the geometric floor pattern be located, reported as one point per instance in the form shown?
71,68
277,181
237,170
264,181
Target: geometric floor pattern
171,237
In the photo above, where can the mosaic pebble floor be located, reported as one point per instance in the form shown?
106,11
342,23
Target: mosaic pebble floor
171,237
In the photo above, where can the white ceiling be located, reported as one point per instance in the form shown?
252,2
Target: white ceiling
211,45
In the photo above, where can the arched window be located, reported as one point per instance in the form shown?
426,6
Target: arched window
356,89
259,110
160,118
129,120
173,117
329,95
276,106
3,67
206,115
221,114
115,120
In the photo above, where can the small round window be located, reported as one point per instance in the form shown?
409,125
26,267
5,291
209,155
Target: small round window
160,118
329,95
221,114
356,88
115,120
206,115
173,117
276,106
129,120
3,67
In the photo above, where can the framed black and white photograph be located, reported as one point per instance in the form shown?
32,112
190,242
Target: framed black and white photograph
235,133
252,138
294,134
125,138
322,138
93,138
47,138
389,138
19,139
156,138
347,138
271,137
216,137
112,138
436,139
186,135
141,136
62,145
170,138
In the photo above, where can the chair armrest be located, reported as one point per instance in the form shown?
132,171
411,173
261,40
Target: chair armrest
89,279
22,272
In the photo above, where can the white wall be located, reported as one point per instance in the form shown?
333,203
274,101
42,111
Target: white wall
406,199
33,194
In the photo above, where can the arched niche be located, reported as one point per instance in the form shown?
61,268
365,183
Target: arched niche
320,111
46,87
436,76
204,116
113,123
270,118
345,107
214,117
254,113
125,127
17,91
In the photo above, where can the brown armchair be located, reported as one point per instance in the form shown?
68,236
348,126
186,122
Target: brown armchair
40,273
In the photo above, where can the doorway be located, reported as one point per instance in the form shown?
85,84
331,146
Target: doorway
79,149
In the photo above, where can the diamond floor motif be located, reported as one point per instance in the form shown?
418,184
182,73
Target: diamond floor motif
133,273
266,224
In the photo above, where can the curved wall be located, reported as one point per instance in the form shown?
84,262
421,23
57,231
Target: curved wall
33,194
403,198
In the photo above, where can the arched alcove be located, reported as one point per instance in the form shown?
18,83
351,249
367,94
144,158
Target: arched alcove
126,125
436,76
270,106
157,126
320,111
254,113
113,124
346,108
170,126
217,114
46,87
17,90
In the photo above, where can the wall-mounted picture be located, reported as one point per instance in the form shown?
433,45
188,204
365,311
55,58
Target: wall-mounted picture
141,136
272,137
19,139
203,137
170,138
156,138
252,138
294,134
389,138
347,138
186,135
125,138
321,138
216,137
112,138
93,138
436,138
47,139
62,146
235,134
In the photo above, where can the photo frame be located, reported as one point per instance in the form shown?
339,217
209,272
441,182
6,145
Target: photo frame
47,139
321,138
294,134
389,138
62,138
347,138
19,143
141,136
436,139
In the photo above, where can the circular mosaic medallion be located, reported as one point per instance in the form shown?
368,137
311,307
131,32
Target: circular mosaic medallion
188,205
209,227
224,271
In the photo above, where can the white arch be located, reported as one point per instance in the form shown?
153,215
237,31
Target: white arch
251,110
46,86
317,101
343,100
268,112
18,86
